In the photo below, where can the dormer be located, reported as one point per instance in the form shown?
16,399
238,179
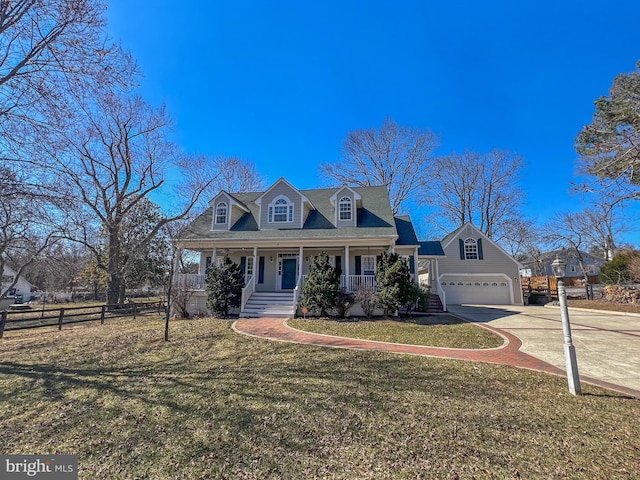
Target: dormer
227,210
282,207
346,202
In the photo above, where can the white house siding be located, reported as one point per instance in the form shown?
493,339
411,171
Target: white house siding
495,267
220,198
281,188
345,192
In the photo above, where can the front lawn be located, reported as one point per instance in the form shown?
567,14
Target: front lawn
440,330
215,404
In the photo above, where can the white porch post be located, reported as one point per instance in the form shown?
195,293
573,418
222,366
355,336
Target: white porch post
301,264
213,259
255,262
346,267
416,267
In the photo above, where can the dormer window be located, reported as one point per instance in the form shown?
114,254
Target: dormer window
281,210
221,213
470,249
345,209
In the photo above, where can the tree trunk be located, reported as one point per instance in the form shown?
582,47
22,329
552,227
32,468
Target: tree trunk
115,278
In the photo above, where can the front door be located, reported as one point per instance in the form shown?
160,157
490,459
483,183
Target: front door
288,273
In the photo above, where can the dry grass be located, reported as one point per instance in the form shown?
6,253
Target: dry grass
215,404
602,305
439,330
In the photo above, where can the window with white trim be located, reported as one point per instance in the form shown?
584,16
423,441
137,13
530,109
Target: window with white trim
249,266
281,211
368,265
221,213
344,209
470,249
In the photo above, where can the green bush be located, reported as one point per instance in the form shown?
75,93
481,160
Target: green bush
320,289
224,287
393,282
617,270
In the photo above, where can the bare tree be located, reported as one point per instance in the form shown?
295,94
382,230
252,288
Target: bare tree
395,156
571,231
477,188
26,227
48,47
111,158
237,175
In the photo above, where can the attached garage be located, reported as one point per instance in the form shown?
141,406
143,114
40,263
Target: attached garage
477,289
476,270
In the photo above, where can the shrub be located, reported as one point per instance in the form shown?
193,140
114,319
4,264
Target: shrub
224,287
617,271
320,289
394,282
344,300
418,298
368,299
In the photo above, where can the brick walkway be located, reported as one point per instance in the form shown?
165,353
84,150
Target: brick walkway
508,354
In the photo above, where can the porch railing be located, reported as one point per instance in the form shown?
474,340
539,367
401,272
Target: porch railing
441,294
298,290
353,283
247,291
190,281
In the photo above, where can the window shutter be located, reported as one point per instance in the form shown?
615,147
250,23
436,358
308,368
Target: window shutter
207,265
461,242
243,265
480,249
339,264
358,265
261,270
378,260
412,268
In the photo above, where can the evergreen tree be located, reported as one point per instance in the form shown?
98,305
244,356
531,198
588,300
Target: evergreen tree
224,287
393,280
320,289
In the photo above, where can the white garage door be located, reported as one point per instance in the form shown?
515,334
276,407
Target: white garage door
484,290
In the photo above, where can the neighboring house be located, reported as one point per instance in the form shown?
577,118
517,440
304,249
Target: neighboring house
22,288
476,270
541,265
274,234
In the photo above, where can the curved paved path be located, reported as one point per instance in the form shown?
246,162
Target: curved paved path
509,354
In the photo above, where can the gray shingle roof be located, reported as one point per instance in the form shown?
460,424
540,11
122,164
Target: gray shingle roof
375,219
432,248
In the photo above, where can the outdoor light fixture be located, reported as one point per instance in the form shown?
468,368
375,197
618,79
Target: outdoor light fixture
569,350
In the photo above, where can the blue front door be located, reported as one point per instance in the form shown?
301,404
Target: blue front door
288,273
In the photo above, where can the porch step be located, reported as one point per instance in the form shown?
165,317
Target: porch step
435,304
269,304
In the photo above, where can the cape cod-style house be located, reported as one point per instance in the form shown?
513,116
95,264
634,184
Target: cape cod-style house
274,234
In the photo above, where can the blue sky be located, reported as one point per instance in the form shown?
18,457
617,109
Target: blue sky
280,83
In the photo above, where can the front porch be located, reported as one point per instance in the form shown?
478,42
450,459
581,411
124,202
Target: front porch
280,272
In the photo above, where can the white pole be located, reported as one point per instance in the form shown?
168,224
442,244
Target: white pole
569,349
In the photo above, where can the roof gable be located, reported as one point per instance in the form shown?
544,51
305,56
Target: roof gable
448,239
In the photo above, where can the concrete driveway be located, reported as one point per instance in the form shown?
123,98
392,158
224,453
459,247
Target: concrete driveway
607,343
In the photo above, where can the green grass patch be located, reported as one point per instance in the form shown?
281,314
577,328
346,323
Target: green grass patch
430,330
215,404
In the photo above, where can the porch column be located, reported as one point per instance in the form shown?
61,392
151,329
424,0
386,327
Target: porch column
255,265
346,267
301,264
416,267
213,258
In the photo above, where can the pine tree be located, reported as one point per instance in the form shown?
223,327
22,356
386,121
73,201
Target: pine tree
393,281
320,289
224,287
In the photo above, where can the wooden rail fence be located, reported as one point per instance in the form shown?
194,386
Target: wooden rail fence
51,317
